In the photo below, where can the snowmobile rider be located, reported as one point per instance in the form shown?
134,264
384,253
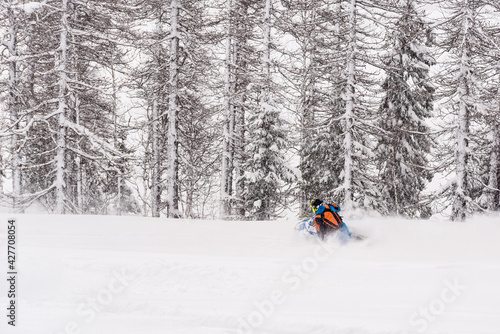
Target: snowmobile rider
328,221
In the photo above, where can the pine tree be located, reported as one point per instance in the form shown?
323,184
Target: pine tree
358,90
14,97
335,101
199,131
405,141
489,149
315,73
266,173
493,189
172,154
150,82
68,125
172,81
468,36
239,59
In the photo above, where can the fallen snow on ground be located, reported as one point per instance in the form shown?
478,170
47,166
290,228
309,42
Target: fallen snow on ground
93,274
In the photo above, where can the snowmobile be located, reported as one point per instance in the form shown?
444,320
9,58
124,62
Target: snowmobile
306,226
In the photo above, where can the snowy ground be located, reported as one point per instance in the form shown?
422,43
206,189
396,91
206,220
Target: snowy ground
87,274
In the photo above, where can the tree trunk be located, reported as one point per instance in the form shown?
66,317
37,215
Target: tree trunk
156,160
156,126
13,106
349,114
461,191
61,69
266,56
78,160
241,81
307,109
228,124
116,142
493,198
173,111
265,98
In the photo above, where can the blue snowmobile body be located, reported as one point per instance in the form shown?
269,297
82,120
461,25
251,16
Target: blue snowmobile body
307,227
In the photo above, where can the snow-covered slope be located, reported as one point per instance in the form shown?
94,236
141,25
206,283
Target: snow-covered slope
87,274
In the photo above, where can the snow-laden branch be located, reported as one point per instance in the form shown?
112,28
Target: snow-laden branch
94,158
31,7
34,6
113,6
32,197
83,84
78,32
10,129
24,57
96,141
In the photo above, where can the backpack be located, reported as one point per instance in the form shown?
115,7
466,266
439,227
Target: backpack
328,215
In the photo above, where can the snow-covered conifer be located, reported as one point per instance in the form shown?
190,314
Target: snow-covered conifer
314,78
240,66
15,103
67,127
404,140
265,171
359,88
469,39
173,80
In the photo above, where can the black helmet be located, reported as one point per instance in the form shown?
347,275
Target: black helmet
315,203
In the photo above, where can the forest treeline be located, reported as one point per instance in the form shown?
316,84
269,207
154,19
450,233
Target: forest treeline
243,109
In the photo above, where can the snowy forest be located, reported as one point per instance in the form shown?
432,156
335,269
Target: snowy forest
246,109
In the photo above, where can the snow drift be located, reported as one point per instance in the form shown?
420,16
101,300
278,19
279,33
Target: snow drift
94,274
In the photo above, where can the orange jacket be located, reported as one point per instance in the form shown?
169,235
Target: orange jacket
327,216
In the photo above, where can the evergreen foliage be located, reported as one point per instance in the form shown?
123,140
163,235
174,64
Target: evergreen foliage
67,121
405,140
469,37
